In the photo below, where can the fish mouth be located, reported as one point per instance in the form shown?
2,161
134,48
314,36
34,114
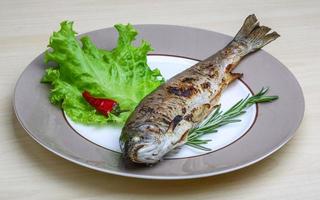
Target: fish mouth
144,153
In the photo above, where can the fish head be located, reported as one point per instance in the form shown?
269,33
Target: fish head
144,144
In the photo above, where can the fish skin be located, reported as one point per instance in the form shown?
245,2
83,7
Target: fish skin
162,120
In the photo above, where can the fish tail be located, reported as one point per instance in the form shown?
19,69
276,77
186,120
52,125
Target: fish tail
253,36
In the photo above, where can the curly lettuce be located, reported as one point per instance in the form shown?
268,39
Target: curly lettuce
121,74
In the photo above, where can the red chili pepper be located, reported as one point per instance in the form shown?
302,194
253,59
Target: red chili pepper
102,105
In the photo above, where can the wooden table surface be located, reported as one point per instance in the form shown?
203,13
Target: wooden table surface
28,171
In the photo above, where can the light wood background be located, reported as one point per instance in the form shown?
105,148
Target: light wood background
28,171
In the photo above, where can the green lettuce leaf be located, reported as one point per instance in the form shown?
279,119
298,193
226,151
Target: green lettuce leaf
121,74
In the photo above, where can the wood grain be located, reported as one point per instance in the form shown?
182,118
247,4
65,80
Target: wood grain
28,171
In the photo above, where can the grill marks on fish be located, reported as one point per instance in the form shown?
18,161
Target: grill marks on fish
146,110
197,113
183,90
188,80
213,72
205,85
164,120
190,85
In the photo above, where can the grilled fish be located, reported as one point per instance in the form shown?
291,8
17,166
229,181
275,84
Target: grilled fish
162,120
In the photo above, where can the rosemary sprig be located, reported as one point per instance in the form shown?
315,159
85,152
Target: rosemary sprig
219,118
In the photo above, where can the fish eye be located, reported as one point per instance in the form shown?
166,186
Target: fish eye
136,139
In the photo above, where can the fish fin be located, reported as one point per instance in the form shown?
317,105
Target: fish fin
230,77
253,36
